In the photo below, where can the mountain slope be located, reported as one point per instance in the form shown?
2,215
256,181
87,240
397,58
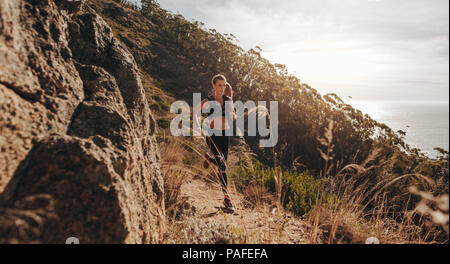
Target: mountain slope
80,146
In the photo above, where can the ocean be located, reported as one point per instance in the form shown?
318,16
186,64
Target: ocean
426,123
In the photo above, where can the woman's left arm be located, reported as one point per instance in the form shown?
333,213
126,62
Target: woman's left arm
229,94
233,112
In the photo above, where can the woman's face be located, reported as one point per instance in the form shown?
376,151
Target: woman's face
219,87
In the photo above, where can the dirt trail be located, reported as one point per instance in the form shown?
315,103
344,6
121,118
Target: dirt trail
262,224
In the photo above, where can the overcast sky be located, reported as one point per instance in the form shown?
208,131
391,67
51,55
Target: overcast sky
367,49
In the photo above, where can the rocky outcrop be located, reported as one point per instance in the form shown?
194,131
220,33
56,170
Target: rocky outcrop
78,156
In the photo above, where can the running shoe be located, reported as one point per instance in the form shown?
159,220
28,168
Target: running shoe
227,203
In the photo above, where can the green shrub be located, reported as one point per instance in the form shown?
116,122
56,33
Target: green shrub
301,192
299,189
160,106
163,123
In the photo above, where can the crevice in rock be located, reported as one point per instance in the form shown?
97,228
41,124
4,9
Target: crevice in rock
25,96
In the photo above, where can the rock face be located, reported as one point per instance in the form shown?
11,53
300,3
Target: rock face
77,153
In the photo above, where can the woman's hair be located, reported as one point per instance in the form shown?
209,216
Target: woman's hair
218,77
228,90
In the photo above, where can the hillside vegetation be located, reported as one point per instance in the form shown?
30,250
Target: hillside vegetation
89,106
331,161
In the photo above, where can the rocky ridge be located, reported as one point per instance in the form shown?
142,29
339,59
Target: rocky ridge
78,155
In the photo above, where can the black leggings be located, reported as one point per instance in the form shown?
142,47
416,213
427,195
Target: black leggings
219,147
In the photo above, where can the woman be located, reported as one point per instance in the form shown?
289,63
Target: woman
219,142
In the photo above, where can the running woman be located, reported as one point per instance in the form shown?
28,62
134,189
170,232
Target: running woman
219,141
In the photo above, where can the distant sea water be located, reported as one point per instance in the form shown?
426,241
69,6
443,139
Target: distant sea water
426,123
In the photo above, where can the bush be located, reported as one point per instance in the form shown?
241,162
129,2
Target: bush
301,193
299,189
163,123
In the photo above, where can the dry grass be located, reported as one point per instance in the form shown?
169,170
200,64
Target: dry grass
435,209
257,221
174,174
257,195
183,226
345,219
350,210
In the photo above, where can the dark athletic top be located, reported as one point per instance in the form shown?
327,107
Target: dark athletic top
225,98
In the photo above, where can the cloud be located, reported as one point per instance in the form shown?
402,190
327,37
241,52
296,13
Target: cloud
352,47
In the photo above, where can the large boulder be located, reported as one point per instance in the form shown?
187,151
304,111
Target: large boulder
76,132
